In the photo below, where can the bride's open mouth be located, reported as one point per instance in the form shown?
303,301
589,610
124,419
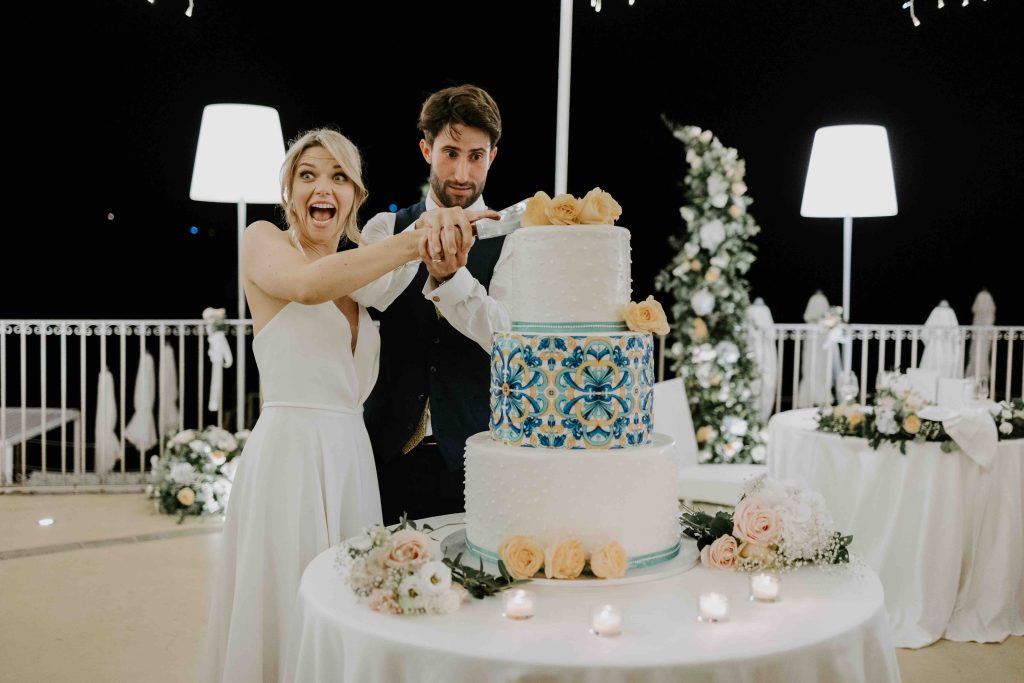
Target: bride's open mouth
322,213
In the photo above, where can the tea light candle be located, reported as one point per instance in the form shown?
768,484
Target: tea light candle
764,587
713,607
518,603
606,620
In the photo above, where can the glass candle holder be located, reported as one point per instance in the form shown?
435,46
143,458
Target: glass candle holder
714,607
518,603
764,586
605,620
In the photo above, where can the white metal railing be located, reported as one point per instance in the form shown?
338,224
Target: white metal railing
59,407
47,416
809,357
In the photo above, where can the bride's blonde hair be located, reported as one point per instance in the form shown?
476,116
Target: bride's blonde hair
347,156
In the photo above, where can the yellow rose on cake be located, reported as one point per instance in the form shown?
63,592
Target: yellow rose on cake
523,556
536,210
598,208
646,316
609,561
564,559
564,209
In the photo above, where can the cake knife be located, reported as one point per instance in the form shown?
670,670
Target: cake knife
509,222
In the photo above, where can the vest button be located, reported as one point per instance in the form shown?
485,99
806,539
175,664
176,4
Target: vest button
433,368
437,340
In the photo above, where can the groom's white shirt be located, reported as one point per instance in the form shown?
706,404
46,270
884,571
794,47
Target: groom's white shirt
471,309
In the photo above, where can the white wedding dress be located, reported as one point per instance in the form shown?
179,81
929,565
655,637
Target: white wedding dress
305,481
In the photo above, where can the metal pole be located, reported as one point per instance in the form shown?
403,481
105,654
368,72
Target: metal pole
564,75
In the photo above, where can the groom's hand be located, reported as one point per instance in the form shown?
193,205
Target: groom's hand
449,239
460,225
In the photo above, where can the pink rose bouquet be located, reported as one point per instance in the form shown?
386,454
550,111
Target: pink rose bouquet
774,526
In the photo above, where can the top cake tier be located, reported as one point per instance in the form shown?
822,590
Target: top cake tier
569,278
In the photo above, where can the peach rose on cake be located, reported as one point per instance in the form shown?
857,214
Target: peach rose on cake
536,210
523,556
646,316
408,545
755,522
609,561
598,208
720,554
700,329
564,559
564,209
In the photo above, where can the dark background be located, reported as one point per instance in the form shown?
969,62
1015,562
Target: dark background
107,101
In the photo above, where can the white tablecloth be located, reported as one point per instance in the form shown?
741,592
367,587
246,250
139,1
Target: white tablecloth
828,626
945,536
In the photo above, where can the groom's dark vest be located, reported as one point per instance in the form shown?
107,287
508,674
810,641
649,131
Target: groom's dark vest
422,355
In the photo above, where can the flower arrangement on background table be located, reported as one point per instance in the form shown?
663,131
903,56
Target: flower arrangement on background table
194,475
894,417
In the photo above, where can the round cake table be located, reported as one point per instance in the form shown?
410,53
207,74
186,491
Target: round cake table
829,625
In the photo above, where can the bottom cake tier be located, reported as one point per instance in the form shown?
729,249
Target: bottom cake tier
596,496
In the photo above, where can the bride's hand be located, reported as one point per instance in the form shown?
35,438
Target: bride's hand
459,234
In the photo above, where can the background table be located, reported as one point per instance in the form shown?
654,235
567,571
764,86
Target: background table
828,626
37,422
945,536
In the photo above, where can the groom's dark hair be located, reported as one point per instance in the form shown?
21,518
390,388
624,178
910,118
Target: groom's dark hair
465,105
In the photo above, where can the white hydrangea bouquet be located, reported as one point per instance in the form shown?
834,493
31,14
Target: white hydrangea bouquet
397,571
776,526
194,475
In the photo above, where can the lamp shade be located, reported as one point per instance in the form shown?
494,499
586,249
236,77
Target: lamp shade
239,155
850,174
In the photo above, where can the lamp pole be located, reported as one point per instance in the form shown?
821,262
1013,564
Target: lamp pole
562,116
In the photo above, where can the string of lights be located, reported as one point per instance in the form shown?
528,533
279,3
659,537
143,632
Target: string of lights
909,5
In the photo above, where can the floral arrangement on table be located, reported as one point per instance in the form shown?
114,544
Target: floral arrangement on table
596,208
563,558
776,526
395,570
194,475
894,418
707,279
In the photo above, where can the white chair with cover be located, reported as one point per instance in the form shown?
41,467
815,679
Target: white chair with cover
941,338
761,339
672,417
816,375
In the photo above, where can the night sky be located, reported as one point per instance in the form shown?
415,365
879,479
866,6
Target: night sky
112,130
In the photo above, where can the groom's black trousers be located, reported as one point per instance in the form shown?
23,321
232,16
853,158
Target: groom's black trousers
419,484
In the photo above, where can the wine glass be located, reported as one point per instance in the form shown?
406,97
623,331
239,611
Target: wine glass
847,386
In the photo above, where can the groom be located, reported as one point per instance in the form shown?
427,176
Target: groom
432,392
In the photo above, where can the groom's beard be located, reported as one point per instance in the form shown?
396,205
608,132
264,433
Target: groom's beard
440,189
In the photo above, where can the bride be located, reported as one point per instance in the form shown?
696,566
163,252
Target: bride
306,479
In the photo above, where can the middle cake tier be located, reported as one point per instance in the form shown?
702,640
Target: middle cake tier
572,391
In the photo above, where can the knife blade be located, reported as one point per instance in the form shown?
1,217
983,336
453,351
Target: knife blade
486,228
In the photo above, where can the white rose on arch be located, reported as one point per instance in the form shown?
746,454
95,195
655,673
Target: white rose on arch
712,234
702,302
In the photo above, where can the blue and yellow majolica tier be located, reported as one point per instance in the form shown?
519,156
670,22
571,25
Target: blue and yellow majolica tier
558,390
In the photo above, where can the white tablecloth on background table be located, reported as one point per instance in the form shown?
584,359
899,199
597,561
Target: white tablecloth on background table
828,626
945,535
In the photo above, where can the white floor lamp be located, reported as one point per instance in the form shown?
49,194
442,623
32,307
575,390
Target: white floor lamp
849,176
238,161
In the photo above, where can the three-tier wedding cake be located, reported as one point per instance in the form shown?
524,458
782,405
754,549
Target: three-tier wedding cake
571,460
